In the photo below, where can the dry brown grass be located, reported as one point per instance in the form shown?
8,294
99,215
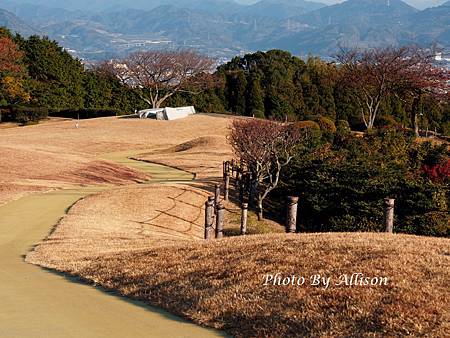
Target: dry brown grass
203,156
145,241
220,284
57,154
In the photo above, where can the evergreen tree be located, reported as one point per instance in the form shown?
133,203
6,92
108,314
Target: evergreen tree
236,90
255,96
56,77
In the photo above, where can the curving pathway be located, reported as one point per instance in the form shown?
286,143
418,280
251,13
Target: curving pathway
35,302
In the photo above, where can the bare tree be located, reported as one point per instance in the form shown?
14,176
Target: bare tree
264,148
157,75
422,77
372,75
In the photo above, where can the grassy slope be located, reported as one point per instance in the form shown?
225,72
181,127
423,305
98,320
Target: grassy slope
220,284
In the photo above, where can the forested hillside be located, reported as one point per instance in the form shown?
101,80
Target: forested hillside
38,73
276,84
37,77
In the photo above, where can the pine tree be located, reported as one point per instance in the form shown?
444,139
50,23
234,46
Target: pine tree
255,96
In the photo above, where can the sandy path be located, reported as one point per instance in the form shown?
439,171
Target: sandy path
40,303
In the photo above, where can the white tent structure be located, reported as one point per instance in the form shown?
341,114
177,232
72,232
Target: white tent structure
166,113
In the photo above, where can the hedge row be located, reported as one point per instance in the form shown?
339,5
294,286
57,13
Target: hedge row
22,114
86,113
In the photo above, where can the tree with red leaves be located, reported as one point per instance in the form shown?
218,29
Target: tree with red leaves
11,71
264,148
10,56
437,173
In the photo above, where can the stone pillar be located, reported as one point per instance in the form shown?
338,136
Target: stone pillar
291,217
220,213
244,214
209,218
389,214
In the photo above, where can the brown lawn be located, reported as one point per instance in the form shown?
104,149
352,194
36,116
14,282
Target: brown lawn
221,283
145,241
56,154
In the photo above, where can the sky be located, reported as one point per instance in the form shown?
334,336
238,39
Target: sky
416,3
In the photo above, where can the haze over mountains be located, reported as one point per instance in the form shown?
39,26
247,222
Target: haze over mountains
96,29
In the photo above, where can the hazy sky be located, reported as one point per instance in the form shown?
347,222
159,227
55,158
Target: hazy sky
416,3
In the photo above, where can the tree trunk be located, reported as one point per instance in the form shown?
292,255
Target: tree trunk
252,191
415,115
260,209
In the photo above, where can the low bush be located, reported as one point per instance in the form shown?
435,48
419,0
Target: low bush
326,124
342,187
386,121
86,113
22,114
308,125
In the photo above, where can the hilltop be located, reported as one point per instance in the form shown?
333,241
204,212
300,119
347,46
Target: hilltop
14,23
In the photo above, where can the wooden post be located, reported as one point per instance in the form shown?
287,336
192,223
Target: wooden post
244,214
220,211
241,189
227,186
226,169
216,196
389,214
291,217
209,217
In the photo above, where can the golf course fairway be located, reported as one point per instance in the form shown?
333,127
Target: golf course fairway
35,302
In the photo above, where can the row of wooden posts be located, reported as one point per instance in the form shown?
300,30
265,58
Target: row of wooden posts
215,210
215,216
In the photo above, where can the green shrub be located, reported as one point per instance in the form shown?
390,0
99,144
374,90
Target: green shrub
342,126
308,125
446,128
342,131
326,124
386,121
258,113
342,186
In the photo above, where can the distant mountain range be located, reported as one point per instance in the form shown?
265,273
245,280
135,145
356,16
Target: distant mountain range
224,28
12,22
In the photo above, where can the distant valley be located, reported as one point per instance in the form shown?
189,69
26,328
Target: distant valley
224,28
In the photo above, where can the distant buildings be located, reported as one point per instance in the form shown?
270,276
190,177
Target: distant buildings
442,59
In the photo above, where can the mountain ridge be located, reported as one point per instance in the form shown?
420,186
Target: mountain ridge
223,33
